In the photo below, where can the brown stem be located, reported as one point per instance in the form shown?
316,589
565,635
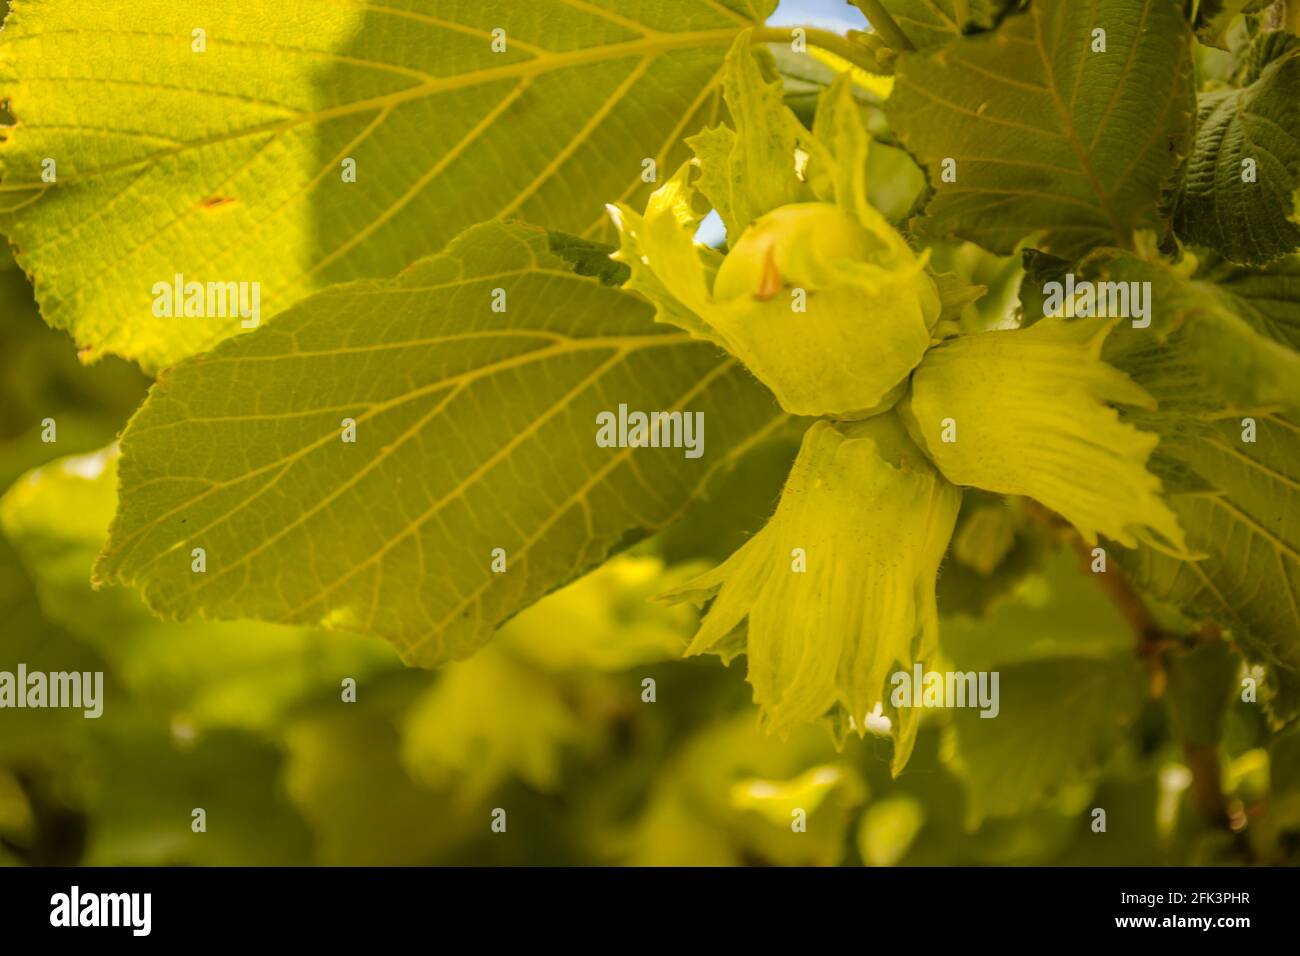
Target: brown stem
1203,761
1152,640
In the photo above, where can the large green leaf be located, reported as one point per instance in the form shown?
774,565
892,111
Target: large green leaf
930,23
1238,330
1227,355
1268,300
1049,137
1246,521
475,430
1247,221
226,164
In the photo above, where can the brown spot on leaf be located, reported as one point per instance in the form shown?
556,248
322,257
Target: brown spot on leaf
212,202
769,284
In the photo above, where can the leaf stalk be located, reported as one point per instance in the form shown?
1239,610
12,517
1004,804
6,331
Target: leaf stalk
824,39
883,24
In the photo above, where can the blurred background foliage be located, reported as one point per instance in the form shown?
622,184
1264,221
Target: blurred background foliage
249,721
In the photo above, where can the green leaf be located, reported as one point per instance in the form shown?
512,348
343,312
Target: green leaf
802,80
1057,722
895,183
475,430
1049,138
931,23
1267,299
1245,520
1263,50
1246,523
226,164
1237,331
1237,500
1259,127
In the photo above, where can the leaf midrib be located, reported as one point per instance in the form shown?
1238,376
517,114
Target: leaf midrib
1104,204
389,448
650,45
620,345
623,454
